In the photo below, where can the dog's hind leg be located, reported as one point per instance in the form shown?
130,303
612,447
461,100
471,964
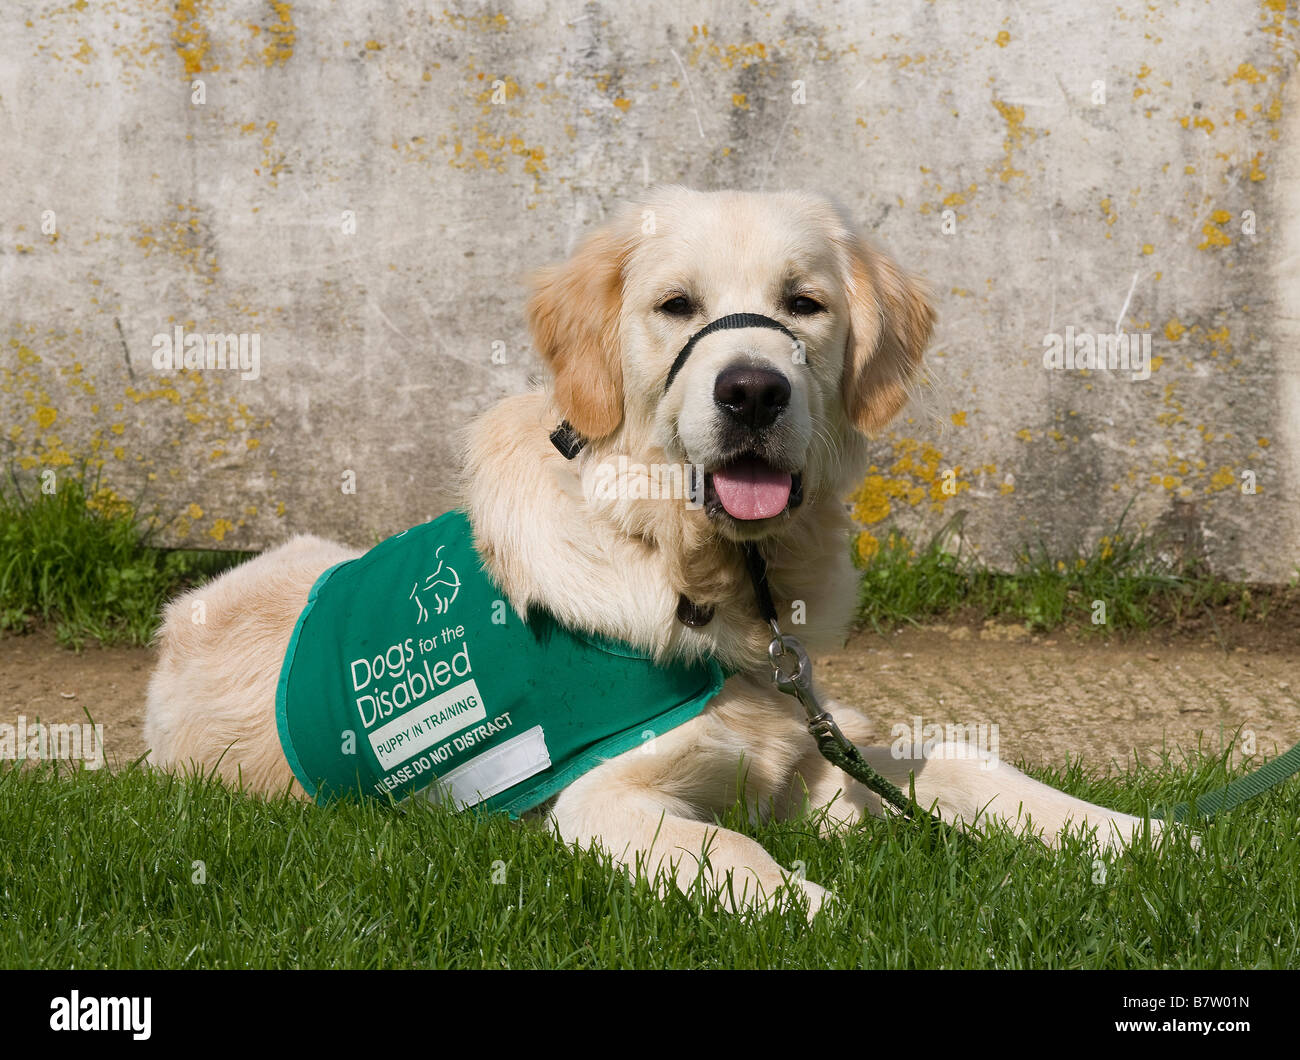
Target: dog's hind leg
211,699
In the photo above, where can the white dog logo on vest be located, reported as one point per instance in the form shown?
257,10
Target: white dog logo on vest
447,579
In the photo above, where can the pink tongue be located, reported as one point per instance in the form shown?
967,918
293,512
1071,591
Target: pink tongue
749,489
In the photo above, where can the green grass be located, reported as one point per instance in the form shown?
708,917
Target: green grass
1140,588
82,562
98,869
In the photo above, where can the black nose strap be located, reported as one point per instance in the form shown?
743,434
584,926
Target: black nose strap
731,320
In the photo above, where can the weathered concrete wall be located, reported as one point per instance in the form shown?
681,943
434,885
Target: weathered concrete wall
129,207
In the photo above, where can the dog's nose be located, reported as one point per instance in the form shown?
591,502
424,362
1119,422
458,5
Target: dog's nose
754,397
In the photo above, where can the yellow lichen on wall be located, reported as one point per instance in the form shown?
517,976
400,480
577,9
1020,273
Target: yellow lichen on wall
272,161
1215,236
494,150
1247,72
181,238
506,88
1189,121
916,478
497,22
190,37
1143,73
1224,478
279,48
726,55
1018,136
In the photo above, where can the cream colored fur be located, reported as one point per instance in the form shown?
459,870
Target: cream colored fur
617,566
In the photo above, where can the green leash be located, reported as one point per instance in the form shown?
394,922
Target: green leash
849,759
1243,789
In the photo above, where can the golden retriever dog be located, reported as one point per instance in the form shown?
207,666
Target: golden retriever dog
779,428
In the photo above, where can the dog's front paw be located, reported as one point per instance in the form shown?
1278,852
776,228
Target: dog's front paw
1123,831
818,896
760,902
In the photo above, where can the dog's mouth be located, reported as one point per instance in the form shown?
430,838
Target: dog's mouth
749,489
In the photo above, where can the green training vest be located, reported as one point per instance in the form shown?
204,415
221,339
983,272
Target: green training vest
409,674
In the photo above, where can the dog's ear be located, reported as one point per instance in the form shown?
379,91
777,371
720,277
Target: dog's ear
890,323
574,317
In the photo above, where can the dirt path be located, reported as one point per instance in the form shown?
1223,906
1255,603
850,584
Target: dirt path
1053,697
1049,696
53,685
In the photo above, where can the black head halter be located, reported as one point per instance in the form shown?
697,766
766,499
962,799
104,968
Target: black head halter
570,443
731,320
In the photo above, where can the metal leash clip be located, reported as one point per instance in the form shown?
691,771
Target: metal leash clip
798,683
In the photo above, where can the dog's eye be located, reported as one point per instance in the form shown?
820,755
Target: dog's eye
804,306
677,307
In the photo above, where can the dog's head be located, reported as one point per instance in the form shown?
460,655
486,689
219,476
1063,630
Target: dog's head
767,404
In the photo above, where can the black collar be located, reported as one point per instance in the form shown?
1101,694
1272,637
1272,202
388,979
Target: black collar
568,441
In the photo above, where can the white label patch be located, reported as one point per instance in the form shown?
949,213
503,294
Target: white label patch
419,729
494,771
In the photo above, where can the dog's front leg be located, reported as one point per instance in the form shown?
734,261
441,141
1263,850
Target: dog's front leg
966,790
654,836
